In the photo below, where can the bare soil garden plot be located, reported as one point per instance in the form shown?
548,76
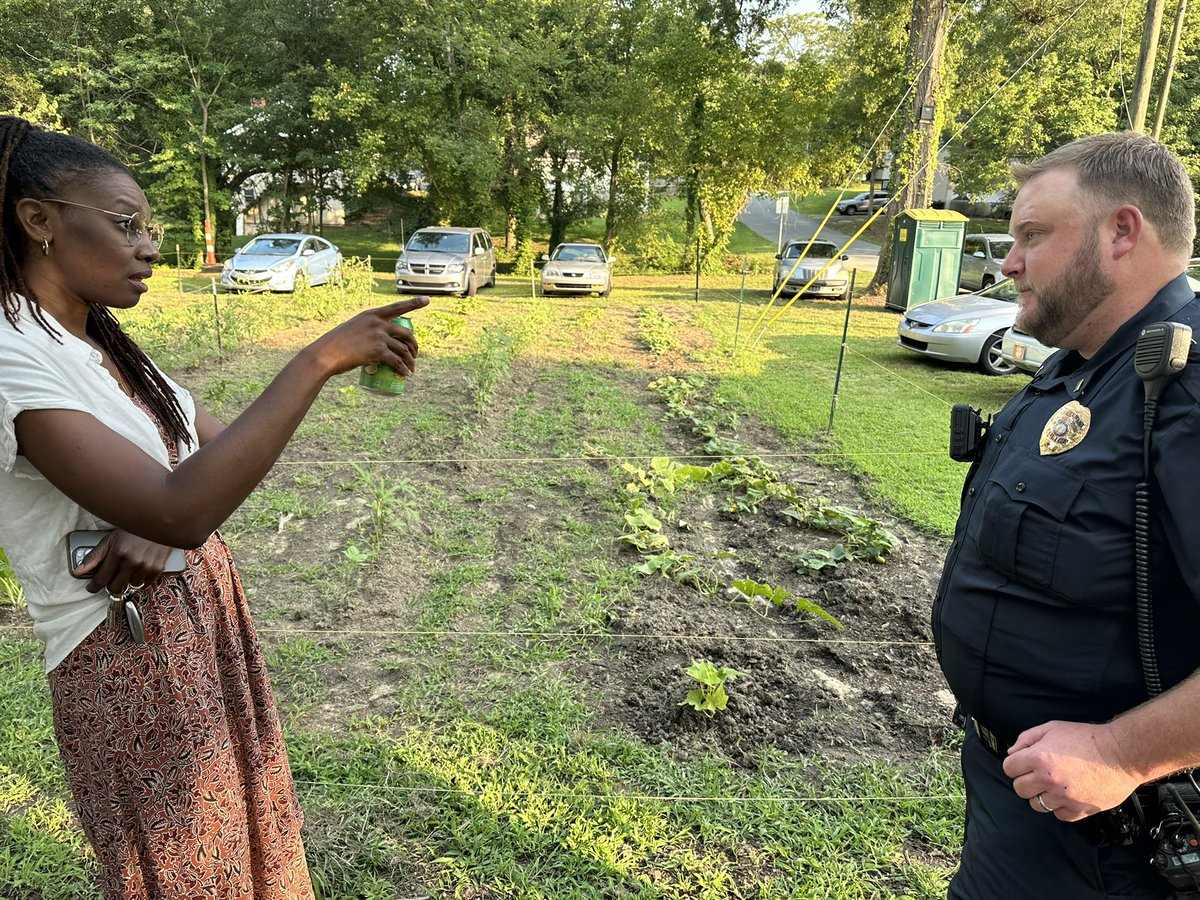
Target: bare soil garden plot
482,697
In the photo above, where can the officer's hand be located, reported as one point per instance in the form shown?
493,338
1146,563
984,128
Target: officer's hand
1075,768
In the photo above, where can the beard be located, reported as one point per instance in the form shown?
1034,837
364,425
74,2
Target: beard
1068,299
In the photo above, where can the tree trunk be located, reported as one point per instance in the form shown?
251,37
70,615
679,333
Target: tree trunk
913,167
209,224
558,219
610,217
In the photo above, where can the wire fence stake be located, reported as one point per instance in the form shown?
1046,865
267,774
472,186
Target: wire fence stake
837,379
741,296
216,313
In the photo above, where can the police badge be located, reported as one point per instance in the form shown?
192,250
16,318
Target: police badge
1067,427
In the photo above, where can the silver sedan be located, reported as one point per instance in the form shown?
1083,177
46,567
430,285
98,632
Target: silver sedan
963,329
577,269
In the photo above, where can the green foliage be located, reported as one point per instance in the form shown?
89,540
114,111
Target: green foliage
657,331
779,597
491,364
710,697
864,537
11,593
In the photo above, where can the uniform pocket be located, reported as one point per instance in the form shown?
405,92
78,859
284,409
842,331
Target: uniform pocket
1019,523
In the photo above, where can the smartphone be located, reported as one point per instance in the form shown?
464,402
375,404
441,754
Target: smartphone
81,543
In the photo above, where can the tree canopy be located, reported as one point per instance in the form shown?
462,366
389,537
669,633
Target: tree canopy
517,112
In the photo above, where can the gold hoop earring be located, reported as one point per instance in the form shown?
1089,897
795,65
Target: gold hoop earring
45,246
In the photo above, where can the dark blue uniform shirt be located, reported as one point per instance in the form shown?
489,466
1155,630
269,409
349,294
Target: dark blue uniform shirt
1035,615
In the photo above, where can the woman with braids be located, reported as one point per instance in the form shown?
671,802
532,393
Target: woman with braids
168,731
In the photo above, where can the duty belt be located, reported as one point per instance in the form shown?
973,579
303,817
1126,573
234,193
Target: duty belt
989,739
1119,826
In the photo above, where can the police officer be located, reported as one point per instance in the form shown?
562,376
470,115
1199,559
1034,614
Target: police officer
1035,616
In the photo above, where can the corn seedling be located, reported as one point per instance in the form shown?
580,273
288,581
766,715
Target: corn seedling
710,697
492,364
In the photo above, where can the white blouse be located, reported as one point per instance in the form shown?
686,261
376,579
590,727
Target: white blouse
38,372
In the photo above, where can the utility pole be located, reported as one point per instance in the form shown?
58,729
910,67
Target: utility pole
781,207
916,162
1169,69
1145,71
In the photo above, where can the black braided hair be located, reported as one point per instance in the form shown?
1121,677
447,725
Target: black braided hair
41,164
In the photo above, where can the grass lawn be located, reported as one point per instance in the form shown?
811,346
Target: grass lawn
431,573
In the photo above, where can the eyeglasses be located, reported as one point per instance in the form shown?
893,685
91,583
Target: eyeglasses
135,226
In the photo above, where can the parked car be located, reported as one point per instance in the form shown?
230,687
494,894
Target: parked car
448,261
1023,351
1027,353
282,262
963,329
866,202
834,281
982,256
577,269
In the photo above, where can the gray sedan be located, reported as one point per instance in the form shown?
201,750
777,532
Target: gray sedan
963,329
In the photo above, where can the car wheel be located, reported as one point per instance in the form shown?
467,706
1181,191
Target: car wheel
492,281
986,282
852,210
471,290
991,361
300,282
845,298
337,277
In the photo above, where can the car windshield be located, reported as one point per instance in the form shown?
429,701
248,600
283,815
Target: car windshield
274,246
1000,247
819,250
576,253
440,241
1002,291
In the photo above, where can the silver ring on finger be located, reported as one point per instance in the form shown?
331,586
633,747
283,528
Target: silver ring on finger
1042,804
134,587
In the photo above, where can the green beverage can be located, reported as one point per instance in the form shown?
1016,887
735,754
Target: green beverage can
379,378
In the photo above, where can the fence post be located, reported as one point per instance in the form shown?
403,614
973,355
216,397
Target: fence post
697,297
216,313
741,295
837,379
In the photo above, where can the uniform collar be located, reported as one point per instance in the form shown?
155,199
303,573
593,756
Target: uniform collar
1069,368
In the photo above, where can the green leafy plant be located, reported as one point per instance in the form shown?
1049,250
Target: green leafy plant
813,561
657,331
677,567
778,597
864,537
492,363
710,697
643,530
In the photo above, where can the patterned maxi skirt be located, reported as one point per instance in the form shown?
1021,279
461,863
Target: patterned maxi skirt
173,748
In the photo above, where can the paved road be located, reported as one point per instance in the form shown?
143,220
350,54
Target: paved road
760,217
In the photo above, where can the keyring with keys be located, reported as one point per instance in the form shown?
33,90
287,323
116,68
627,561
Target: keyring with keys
122,604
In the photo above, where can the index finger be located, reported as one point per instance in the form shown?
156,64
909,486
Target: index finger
401,307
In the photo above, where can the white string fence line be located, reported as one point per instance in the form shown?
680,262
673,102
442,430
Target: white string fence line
561,635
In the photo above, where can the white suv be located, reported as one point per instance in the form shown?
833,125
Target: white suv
447,260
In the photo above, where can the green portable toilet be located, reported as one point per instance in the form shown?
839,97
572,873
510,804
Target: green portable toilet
926,256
